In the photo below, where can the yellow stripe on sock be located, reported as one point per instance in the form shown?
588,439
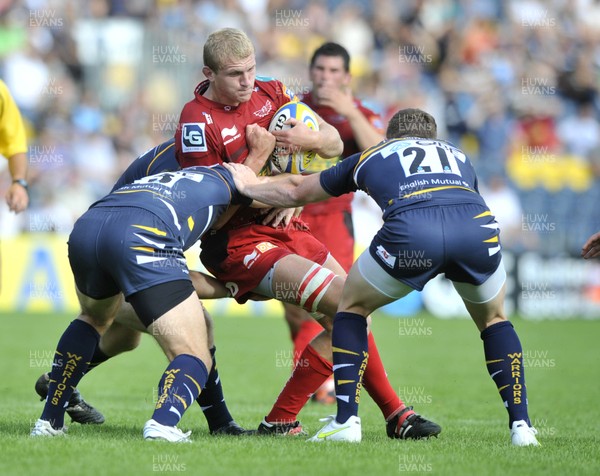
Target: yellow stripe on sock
151,229
342,382
195,383
493,361
343,351
502,388
181,400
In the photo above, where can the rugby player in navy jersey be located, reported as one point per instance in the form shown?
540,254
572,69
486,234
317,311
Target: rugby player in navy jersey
124,334
427,190
131,244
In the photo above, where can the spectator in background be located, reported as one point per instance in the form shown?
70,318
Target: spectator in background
580,134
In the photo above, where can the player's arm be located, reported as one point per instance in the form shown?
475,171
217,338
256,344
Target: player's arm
13,145
285,190
591,248
260,146
208,287
365,133
17,196
326,141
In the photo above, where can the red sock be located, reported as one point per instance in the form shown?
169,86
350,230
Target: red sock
378,386
308,375
308,330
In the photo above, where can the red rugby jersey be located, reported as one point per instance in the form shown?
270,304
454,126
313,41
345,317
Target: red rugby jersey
211,133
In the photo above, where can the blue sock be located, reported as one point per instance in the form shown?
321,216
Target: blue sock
179,386
73,353
212,401
504,360
98,358
350,345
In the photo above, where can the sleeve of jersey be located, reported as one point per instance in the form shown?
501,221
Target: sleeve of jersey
278,91
339,179
12,130
193,140
373,118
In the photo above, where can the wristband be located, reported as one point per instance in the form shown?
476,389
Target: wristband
22,182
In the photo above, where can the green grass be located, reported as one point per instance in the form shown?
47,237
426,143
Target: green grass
439,368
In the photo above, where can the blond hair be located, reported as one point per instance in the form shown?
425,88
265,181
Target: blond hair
224,45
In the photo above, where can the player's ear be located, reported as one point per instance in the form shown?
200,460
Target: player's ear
209,73
347,81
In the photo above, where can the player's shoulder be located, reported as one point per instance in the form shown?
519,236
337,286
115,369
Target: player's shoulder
274,88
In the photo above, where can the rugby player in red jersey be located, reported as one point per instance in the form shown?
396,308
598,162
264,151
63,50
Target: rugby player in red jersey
251,256
330,221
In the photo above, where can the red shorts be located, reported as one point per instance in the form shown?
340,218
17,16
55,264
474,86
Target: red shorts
335,231
241,257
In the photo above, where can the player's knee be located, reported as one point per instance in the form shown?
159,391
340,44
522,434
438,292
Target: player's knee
294,315
133,341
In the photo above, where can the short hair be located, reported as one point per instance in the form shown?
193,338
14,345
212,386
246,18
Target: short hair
332,49
411,123
226,44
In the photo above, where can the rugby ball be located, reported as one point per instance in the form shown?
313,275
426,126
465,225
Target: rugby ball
293,162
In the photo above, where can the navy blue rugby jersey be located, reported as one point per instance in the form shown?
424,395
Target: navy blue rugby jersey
158,159
188,201
406,173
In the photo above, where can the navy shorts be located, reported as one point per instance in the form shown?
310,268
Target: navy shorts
462,241
113,250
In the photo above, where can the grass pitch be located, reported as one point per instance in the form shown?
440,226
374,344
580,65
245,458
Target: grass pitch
436,365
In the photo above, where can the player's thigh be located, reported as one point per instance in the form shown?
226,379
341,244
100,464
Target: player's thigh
485,302
128,318
99,313
368,287
182,330
333,264
303,282
119,338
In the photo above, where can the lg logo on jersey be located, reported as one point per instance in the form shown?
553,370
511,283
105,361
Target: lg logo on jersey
192,137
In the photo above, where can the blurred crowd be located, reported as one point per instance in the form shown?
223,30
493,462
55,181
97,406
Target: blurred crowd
514,83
